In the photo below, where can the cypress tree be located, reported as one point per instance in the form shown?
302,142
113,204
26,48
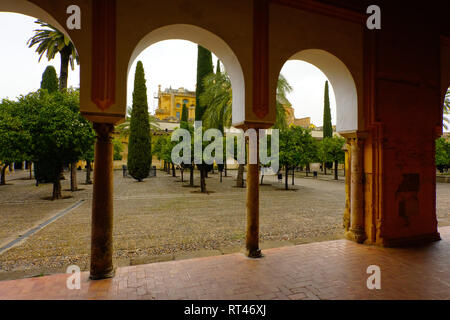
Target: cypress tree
184,114
204,68
43,171
139,146
327,127
50,80
218,67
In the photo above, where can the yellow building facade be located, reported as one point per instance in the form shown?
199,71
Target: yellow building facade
170,104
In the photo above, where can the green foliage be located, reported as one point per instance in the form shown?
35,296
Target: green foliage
118,149
327,127
204,68
124,128
139,147
283,88
217,96
14,136
442,153
162,148
43,171
184,114
59,134
297,147
50,41
330,149
447,109
50,80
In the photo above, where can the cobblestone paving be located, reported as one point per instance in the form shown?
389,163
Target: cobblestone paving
161,219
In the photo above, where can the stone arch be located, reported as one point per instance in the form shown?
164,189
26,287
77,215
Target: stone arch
213,43
342,82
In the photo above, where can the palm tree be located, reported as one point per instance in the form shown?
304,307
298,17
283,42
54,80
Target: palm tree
51,41
218,97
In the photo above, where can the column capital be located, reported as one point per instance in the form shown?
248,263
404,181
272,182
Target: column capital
354,134
103,130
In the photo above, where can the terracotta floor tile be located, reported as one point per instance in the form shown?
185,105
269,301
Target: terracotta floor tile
325,270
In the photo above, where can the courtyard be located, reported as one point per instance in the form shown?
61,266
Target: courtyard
162,219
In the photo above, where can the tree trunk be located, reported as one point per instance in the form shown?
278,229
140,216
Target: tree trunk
220,176
324,168
293,176
262,177
307,169
202,178
225,166
3,175
57,185
182,170
88,172
286,178
173,170
64,69
73,177
240,176
191,175
335,170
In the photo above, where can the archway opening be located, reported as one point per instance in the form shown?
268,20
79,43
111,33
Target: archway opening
442,160
311,182
24,204
181,221
342,82
211,42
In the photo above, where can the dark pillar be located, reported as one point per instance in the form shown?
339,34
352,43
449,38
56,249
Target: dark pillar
102,205
252,238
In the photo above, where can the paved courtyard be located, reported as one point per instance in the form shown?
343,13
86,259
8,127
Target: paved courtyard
161,219
322,270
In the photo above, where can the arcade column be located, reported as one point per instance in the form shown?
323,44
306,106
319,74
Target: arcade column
252,238
356,231
102,205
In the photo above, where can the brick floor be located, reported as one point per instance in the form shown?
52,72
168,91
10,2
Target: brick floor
323,270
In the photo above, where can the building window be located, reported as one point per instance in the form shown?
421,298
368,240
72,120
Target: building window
178,115
185,101
178,105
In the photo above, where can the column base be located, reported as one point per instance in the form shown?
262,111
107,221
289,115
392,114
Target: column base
411,241
105,275
254,253
356,235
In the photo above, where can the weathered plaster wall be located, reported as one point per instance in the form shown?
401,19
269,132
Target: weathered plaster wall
407,97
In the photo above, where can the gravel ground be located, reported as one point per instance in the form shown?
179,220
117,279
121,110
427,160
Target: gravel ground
163,219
